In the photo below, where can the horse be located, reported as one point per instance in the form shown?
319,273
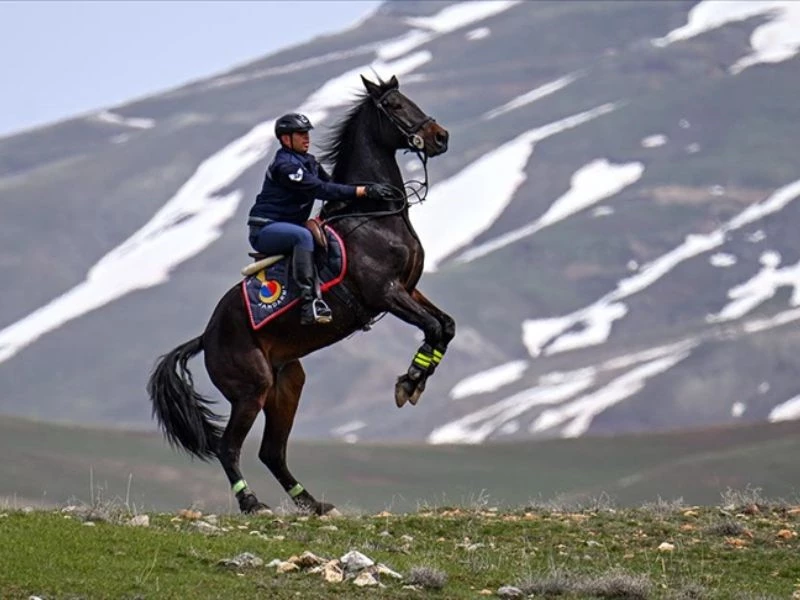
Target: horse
260,370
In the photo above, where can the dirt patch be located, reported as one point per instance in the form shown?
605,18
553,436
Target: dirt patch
577,271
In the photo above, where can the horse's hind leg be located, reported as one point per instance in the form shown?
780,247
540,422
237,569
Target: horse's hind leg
245,378
279,413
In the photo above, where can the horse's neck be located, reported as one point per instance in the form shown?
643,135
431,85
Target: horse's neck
372,164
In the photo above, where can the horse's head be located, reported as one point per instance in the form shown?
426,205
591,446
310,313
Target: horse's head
409,126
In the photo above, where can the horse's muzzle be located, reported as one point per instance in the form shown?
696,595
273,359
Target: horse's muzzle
440,140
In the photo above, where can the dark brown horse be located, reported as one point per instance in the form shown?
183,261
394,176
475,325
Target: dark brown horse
260,370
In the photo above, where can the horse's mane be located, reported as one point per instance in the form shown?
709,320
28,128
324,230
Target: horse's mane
343,134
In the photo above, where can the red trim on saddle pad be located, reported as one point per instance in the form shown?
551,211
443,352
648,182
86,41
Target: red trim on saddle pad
324,287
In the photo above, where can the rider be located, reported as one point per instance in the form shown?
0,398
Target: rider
294,179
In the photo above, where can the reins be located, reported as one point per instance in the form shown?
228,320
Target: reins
407,185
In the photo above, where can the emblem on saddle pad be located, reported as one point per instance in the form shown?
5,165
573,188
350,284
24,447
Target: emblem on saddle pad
271,290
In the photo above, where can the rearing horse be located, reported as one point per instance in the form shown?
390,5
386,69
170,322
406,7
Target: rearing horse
260,370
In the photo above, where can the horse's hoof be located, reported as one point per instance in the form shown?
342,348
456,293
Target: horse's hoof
250,505
400,396
403,390
329,510
414,398
259,509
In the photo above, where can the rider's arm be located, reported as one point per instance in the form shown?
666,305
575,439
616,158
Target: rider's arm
361,190
297,178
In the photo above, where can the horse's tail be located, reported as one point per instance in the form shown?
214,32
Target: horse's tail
183,414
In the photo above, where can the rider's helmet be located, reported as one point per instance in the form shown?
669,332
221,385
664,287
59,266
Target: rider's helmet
292,123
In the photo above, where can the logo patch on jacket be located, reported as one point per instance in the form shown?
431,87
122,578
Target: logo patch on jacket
298,176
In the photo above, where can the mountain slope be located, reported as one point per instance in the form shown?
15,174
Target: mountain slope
614,221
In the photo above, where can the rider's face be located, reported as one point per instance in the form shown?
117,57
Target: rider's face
300,141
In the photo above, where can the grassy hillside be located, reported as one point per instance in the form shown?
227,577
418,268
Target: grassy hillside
743,551
51,465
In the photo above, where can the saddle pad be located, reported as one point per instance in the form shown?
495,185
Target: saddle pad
272,291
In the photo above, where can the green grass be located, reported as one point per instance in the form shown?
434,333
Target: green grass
717,552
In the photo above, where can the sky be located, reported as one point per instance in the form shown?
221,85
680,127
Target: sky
65,58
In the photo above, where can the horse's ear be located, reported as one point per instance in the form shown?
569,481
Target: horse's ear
372,89
393,83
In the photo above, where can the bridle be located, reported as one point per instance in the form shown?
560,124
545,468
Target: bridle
410,129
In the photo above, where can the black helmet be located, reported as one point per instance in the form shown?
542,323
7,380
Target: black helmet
291,123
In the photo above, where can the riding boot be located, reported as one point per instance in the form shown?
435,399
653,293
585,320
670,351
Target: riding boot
312,308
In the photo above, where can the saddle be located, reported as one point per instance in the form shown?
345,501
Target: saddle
262,261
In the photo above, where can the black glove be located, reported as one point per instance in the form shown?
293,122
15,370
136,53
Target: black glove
381,191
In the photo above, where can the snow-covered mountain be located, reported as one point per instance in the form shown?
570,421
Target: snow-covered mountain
613,227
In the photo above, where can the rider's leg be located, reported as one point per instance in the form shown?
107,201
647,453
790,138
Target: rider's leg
313,309
285,238
280,238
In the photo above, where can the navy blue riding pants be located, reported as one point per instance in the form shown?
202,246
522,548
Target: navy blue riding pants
280,238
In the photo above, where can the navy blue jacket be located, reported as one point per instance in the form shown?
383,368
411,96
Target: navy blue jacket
292,183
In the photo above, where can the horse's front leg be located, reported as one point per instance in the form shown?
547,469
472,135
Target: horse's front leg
402,305
437,354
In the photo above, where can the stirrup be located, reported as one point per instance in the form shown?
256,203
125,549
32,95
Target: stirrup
322,312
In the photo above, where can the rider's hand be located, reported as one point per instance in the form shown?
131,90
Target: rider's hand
381,191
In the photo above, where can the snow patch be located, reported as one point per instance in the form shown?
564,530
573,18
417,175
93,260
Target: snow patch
770,259
476,427
470,201
461,14
115,119
348,427
786,411
654,141
722,259
478,34
577,415
343,89
695,244
603,211
532,96
448,19
489,380
551,388
760,288
227,80
594,330
778,320
772,42
509,428
405,43
590,184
